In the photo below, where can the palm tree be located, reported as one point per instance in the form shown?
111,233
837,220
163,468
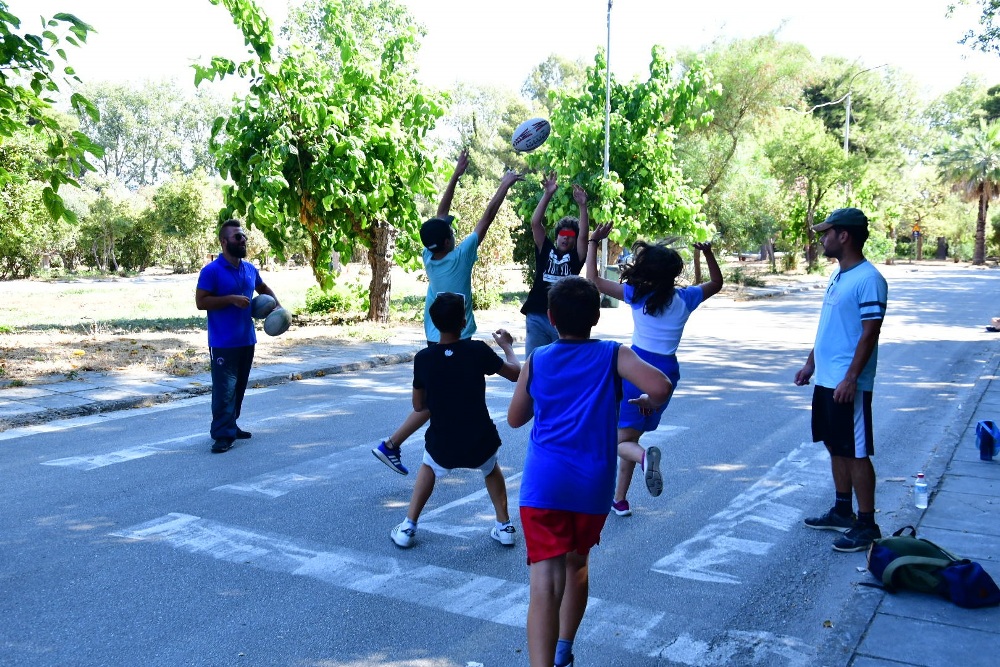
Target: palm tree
972,166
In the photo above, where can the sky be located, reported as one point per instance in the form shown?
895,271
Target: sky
498,43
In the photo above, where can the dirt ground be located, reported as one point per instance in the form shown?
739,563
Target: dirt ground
53,330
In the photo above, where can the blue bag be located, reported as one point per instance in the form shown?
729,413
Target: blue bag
906,562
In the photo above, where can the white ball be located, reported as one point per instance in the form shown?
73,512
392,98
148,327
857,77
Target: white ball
530,134
262,305
277,322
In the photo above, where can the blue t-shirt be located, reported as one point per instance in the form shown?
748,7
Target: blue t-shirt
230,326
451,273
572,455
852,296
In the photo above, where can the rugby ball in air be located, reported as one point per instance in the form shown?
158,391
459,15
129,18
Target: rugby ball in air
530,134
262,305
277,322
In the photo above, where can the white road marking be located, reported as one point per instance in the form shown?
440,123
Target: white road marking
611,624
93,461
428,523
720,543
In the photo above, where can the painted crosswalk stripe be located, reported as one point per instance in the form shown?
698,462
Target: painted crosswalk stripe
720,542
611,624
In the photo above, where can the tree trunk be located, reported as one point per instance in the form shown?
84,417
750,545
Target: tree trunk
811,251
697,266
380,259
979,254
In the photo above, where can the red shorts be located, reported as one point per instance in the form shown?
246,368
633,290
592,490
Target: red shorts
552,533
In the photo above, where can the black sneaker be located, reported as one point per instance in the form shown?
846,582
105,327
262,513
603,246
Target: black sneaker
832,521
243,435
857,538
222,445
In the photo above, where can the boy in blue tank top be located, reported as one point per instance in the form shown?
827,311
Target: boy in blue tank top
571,389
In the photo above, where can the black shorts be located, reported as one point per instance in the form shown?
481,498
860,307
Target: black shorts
845,428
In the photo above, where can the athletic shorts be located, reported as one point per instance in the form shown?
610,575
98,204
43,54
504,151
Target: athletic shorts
845,428
553,533
440,471
629,415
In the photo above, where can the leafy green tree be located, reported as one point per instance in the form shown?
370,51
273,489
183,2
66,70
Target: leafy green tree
553,75
987,37
330,142
109,221
972,165
808,160
30,79
150,132
645,193
180,220
953,112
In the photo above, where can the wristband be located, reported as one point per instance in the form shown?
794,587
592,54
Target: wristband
593,241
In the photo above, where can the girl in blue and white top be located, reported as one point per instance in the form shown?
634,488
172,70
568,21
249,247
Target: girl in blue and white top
660,310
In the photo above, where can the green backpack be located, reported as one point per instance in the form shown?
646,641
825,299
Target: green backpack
906,562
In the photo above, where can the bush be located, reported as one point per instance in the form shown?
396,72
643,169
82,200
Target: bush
738,276
340,299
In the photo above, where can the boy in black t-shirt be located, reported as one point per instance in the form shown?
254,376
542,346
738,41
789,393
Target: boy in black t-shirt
449,380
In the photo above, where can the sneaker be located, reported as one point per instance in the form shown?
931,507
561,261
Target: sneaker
832,521
651,470
505,535
403,535
222,445
243,435
857,538
568,664
390,457
621,508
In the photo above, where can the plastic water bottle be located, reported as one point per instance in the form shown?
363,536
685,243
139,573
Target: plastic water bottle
920,491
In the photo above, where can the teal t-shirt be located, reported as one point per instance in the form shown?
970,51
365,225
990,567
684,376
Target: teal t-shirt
451,273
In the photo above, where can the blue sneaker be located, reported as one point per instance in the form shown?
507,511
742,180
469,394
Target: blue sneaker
390,457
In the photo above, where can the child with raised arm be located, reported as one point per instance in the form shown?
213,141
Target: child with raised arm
449,382
554,260
449,269
660,310
571,390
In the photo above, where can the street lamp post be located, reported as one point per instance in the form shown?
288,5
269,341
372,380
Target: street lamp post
607,130
847,126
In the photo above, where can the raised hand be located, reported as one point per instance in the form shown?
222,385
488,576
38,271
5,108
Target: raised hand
579,195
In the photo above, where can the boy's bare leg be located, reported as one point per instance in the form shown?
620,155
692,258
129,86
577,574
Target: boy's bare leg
630,452
574,602
547,584
497,488
421,492
413,421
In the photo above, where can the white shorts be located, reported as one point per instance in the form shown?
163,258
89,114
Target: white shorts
439,471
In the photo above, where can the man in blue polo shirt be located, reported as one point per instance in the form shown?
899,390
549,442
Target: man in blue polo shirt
844,358
225,287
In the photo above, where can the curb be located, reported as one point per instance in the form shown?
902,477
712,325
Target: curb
266,380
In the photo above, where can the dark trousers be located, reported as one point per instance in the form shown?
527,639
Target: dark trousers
230,373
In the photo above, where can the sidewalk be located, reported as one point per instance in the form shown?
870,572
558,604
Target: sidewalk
963,516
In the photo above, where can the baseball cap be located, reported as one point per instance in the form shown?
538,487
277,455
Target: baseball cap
843,217
436,231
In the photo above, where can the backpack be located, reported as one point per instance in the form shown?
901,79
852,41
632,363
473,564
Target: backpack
906,562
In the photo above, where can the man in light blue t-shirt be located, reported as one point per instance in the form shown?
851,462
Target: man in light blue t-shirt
844,358
449,269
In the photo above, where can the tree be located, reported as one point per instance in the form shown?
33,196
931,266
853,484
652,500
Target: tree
645,192
553,75
987,38
150,132
180,218
330,139
29,81
972,165
808,160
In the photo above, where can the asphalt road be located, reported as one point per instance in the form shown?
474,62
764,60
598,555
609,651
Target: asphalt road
124,541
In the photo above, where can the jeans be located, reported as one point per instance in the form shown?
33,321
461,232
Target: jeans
230,373
538,332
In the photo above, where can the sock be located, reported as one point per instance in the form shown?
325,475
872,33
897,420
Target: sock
564,651
501,526
867,518
843,505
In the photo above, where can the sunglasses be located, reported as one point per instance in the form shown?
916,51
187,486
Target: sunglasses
239,237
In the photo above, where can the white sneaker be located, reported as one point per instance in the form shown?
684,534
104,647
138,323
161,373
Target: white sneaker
504,536
403,535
